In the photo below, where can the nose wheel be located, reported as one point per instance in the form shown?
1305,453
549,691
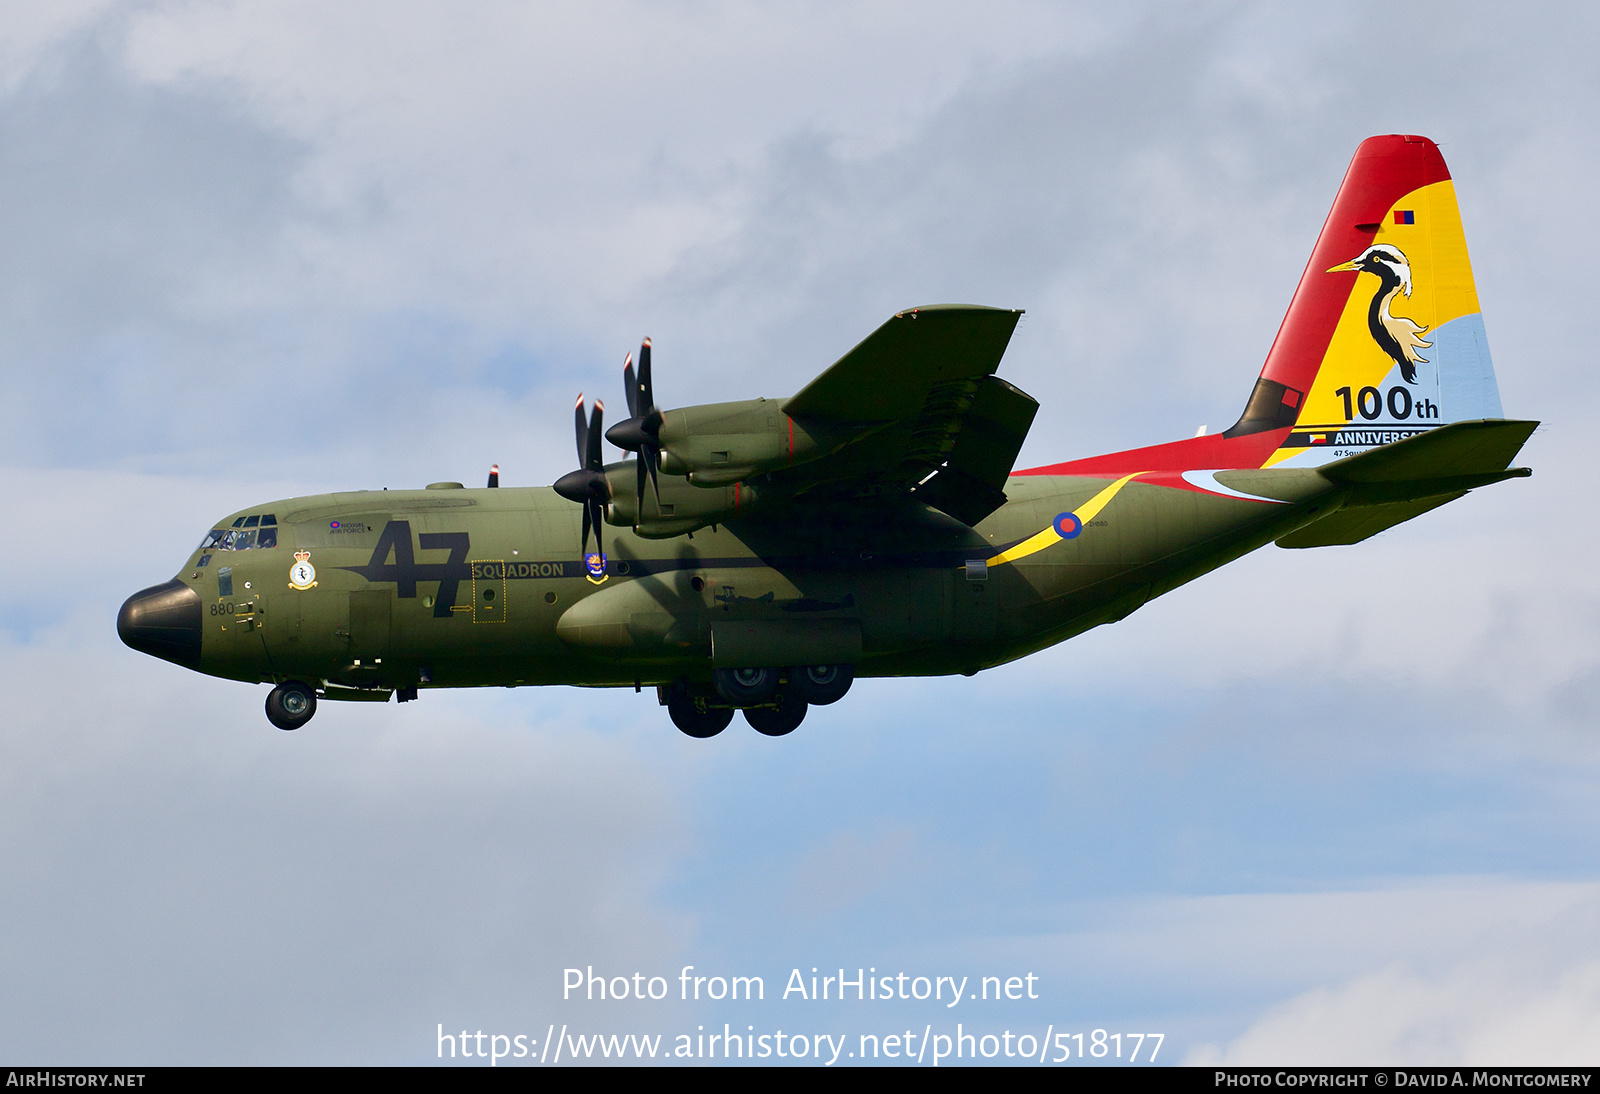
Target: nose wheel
291,705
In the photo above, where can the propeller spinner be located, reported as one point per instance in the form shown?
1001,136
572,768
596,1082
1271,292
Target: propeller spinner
587,485
641,433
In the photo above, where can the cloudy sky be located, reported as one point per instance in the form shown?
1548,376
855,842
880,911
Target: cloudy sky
249,251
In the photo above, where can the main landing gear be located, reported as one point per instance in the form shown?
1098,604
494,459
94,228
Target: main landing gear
290,705
774,701
692,712
775,721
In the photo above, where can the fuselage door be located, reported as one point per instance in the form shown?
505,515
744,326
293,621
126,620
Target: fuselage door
371,616
971,600
489,591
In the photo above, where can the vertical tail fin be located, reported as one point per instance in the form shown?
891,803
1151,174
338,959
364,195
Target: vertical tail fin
1384,338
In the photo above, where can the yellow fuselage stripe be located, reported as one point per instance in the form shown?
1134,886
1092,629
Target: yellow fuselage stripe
1085,513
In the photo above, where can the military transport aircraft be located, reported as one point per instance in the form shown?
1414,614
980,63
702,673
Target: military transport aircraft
760,555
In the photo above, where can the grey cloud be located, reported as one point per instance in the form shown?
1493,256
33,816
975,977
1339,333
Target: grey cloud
121,207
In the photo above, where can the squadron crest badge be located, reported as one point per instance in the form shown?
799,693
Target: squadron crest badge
302,575
594,567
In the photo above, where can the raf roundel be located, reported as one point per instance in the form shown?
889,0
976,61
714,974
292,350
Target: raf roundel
1068,525
302,575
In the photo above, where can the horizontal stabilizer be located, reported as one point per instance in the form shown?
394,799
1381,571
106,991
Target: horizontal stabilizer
891,373
1392,484
1460,448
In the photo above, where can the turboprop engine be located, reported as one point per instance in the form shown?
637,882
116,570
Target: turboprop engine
720,443
676,507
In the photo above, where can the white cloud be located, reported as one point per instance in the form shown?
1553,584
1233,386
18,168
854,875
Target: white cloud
1487,971
1487,1015
29,33
510,148
1507,975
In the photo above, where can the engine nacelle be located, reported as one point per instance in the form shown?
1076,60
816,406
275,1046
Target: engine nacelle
719,444
682,508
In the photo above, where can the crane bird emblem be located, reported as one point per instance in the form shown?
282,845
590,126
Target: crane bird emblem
1395,334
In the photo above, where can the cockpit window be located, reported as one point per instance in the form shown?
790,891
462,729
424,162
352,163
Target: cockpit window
243,534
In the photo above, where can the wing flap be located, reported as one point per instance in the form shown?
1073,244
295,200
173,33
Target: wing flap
971,483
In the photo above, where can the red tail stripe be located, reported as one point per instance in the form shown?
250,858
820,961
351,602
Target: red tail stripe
1384,170
1186,455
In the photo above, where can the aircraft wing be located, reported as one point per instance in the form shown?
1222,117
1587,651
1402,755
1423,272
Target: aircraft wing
896,368
924,412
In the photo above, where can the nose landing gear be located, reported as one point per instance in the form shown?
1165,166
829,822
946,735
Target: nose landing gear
290,705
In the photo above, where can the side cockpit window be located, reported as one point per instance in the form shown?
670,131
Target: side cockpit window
245,533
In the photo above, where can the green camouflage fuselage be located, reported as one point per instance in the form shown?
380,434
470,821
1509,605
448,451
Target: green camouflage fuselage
454,587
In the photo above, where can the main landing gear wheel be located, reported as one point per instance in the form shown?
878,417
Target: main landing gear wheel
746,687
291,705
779,720
694,715
820,685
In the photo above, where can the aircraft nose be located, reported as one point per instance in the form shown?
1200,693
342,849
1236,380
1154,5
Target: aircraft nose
163,621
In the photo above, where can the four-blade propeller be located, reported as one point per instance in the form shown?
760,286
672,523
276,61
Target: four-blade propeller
587,485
